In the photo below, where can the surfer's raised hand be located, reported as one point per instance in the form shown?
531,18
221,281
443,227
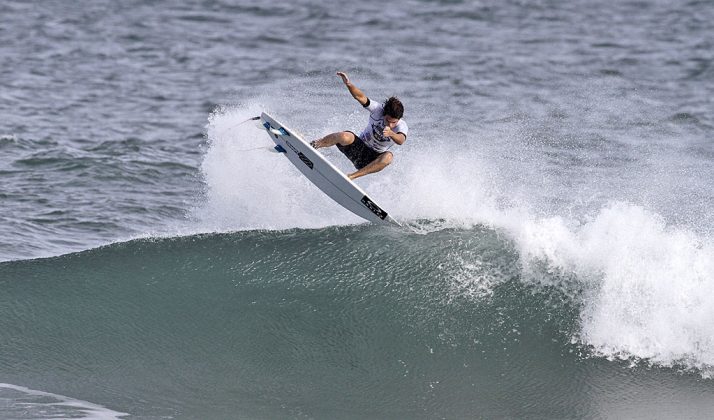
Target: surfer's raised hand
388,132
345,79
354,90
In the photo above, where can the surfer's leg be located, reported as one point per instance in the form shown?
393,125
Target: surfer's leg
345,138
375,166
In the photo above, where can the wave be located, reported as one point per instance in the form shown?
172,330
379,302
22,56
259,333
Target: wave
641,283
249,314
626,286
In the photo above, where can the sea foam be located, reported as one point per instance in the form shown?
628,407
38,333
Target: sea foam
649,287
28,403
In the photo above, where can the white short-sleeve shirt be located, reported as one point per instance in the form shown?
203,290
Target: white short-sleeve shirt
372,134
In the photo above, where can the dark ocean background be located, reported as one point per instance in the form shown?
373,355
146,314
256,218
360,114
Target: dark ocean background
557,258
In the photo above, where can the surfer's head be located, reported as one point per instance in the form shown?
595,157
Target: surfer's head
393,108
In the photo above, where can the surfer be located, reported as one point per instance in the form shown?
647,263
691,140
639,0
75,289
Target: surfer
369,152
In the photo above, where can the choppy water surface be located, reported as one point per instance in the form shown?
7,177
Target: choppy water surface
557,188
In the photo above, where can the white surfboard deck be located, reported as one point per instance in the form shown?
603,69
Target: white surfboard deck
324,174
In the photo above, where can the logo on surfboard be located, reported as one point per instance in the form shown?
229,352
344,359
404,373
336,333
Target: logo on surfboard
302,157
373,207
305,160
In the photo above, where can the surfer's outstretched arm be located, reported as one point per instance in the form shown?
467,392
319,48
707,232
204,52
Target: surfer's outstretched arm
354,90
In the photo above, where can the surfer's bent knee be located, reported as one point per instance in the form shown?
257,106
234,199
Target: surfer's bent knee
347,138
386,158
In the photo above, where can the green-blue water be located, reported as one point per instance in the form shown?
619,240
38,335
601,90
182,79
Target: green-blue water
294,324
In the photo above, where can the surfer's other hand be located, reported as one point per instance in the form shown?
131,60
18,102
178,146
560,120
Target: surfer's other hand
344,77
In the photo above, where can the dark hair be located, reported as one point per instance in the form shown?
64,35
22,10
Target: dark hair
393,107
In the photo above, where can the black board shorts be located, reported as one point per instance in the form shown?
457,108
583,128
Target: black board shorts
359,153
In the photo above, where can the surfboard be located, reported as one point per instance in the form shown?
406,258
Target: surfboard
322,173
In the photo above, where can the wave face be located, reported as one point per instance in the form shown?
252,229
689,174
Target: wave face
346,322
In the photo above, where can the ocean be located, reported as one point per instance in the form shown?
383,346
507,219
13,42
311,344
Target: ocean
557,254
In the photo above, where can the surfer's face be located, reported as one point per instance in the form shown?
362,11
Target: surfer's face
391,121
